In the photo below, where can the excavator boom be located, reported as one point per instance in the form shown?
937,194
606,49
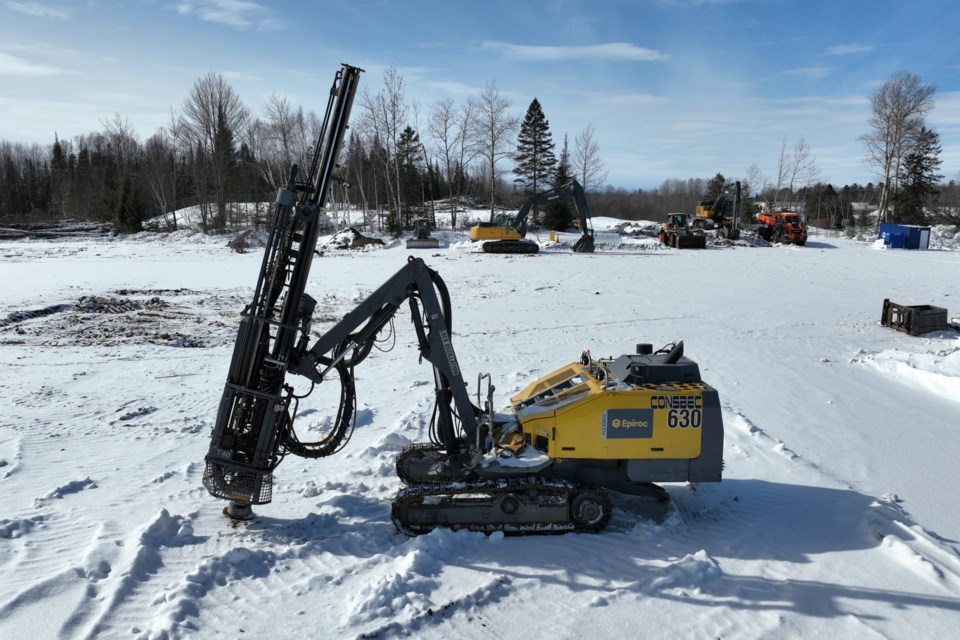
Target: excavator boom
509,236
722,213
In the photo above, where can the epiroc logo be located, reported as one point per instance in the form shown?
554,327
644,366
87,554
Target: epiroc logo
630,424
627,423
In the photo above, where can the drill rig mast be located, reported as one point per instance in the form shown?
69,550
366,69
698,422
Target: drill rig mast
252,428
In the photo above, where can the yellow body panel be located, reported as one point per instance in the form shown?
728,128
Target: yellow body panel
493,233
577,417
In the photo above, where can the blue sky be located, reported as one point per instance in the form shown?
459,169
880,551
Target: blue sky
673,88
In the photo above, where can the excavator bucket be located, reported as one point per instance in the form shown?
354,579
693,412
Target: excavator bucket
584,244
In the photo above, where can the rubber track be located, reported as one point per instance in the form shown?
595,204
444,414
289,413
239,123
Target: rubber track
511,247
495,488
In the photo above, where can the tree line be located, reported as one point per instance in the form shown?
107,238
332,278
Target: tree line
215,151
401,160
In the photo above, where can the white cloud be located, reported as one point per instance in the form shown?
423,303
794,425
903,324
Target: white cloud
243,76
238,14
630,99
838,101
453,87
38,10
811,73
16,66
36,49
946,116
608,51
847,49
272,24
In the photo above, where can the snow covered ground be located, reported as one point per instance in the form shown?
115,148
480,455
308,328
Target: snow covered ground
837,516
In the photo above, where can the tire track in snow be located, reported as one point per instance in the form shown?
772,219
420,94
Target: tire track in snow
496,590
46,579
281,557
282,566
119,569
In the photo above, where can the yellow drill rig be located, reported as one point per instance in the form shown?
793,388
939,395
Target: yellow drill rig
542,466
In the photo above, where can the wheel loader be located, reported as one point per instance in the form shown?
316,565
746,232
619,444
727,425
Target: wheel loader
542,465
421,238
677,232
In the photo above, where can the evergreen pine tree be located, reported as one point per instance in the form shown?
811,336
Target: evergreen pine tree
224,156
59,178
129,212
411,184
558,214
535,160
394,227
122,215
715,187
104,183
80,186
563,173
919,178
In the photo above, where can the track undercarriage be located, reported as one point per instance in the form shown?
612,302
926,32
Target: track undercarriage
511,246
522,505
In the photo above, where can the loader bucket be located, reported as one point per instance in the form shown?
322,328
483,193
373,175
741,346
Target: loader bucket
423,243
691,242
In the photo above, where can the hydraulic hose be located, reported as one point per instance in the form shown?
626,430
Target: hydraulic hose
343,425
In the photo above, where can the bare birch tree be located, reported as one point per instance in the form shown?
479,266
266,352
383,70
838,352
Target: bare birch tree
450,126
276,137
899,109
281,138
161,153
795,168
494,130
124,140
753,180
803,165
588,167
441,123
385,116
783,168
215,115
160,167
752,184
